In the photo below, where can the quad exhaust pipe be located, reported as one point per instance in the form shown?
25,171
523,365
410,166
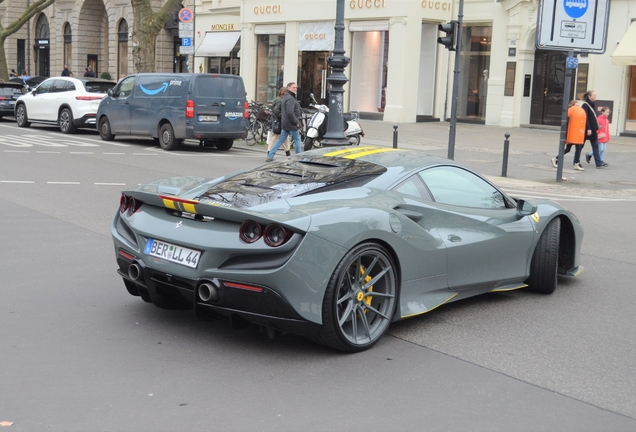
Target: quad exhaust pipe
208,291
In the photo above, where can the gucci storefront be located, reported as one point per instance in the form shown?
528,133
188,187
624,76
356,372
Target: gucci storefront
397,71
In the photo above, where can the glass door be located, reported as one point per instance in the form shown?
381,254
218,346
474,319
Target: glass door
312,77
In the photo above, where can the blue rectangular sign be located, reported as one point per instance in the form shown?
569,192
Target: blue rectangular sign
186,41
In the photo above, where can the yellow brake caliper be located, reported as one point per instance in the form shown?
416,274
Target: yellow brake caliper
368,299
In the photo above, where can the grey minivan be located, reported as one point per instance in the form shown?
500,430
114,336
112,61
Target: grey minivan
171,107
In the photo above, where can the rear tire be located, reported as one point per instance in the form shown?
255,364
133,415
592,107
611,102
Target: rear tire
21,116
225,144
65,121
360,299
545,260
105,132
167,140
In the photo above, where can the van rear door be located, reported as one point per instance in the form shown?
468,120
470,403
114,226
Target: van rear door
218,104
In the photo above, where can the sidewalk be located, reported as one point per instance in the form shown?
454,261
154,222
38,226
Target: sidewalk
480,148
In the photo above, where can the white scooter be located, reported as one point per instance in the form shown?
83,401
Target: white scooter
317,127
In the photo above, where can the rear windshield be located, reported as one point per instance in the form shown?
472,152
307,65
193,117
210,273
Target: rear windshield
98,86
11,90
220,86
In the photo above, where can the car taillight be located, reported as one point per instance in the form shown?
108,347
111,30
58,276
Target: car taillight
89,98
2,98
129,204
246,110
274,235
250,231
189,108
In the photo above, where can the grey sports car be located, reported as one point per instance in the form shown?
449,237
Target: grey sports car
336,243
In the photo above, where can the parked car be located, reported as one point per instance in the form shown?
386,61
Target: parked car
9,94
337,243
67,102
171,107
30,83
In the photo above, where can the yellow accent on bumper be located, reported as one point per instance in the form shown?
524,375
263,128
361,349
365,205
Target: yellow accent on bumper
426,311
509,288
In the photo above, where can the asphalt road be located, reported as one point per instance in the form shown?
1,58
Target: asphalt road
80,354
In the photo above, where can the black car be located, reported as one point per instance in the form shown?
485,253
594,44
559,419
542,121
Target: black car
30,83
9,93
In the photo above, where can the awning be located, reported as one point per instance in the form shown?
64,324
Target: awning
217,44
625,53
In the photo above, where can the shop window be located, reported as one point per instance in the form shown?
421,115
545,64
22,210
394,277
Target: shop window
369,65
473,78
21,57
226,65
511,69
270,55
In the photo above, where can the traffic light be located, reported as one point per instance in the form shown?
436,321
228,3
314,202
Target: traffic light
450,40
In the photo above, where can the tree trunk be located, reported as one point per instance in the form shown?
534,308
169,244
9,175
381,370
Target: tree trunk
4,71
146,27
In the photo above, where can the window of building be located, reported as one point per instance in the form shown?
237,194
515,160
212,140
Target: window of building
511,69
21,57
226,65
68,44
473,77
270,56
631,107
581,80
122,48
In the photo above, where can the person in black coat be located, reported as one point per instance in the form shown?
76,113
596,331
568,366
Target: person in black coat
290,121
589,105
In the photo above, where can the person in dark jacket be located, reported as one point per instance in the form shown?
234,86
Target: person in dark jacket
66,71
276,112
89,72
290,121
589,105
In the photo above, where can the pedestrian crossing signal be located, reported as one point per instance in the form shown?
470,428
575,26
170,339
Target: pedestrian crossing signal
450,40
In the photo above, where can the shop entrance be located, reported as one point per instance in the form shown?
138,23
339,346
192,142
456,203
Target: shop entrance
312,77
547,93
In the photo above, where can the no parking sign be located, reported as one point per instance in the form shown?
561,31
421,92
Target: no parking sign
186,15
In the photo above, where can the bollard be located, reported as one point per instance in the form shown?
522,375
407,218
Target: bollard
395,135
504,166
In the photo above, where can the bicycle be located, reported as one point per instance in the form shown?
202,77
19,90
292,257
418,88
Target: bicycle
259,114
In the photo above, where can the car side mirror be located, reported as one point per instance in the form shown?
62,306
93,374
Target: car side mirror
109,92
525,208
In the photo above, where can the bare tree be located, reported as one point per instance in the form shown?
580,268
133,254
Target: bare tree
35,7
146,27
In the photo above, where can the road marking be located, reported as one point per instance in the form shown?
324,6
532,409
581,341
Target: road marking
17,181
82,152
48,152
63,183
17,151
110,184
118,154
144,154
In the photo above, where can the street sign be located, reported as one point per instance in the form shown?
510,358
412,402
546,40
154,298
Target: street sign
186,34
186,42
186,15
186,50
571,62
579,25
186,26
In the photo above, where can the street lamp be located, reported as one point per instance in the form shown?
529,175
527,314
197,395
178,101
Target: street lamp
337,62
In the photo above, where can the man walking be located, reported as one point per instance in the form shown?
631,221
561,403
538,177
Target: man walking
66,71
290,121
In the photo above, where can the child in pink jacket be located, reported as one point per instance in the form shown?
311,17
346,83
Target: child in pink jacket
603,134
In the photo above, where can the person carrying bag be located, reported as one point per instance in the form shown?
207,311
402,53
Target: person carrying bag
276,124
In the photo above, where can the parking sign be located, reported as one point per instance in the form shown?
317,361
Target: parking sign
578,25
186,42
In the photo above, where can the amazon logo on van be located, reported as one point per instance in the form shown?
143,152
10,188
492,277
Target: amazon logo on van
163,88
233,115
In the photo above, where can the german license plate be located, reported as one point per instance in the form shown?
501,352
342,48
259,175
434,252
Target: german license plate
207,118
172,253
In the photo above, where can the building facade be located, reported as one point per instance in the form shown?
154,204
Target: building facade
398,72
82,33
